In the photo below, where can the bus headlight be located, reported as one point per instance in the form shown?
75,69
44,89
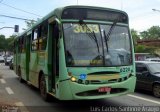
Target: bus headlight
73,79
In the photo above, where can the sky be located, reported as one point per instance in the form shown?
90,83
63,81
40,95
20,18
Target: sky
141,15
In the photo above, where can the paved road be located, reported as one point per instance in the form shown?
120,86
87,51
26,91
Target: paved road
14,93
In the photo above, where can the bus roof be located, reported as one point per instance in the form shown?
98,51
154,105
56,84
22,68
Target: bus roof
58,13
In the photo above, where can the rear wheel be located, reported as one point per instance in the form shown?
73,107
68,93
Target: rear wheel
43,89
156,90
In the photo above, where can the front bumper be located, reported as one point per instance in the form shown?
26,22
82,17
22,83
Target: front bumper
81,91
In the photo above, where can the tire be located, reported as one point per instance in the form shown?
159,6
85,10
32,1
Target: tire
156,90
43,89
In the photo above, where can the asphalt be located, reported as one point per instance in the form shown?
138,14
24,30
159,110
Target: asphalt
28,99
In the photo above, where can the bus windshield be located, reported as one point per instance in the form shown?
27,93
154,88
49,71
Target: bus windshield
86,45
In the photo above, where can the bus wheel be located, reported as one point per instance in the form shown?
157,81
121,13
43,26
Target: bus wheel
20,75
43,89
156,90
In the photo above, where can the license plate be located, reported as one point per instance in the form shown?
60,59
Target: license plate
104,89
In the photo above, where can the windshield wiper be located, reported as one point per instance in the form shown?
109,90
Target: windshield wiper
90,33
156,72
106,37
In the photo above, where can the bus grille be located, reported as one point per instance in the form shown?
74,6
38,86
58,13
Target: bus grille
96,93
101,78
107,81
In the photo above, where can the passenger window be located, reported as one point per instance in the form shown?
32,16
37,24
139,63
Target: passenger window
14,47
39,37
19,45
23,44
43,36
35,40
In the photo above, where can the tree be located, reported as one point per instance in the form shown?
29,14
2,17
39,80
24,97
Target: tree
30,23
10,42
135,35
139,48
145,35
151,33
7,44
145,49
154,32
3,42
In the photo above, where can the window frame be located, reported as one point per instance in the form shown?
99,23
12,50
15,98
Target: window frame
43,38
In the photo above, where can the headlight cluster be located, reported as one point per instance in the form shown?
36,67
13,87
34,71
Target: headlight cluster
73,79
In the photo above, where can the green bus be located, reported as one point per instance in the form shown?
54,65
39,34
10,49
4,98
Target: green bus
77,53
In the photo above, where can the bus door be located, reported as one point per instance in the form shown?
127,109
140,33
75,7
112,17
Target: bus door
28,45
54,55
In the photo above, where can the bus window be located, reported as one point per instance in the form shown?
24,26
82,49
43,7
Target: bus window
43,36
20,43
35,40
14,50
23,44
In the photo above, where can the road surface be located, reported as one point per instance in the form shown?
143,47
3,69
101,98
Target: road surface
26,98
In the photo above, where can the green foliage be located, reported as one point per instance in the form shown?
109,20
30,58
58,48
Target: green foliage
135,35
151,33
10,42
145,35
154,32
139,49
2,42
145,49
29,23
6,44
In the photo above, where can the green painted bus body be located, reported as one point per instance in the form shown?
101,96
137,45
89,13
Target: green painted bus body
33,64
